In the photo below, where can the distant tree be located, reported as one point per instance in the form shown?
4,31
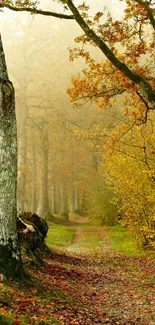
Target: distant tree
43,206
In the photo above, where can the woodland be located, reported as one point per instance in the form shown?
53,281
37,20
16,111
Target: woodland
77,172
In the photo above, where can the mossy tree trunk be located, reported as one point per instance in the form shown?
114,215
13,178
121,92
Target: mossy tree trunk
10,258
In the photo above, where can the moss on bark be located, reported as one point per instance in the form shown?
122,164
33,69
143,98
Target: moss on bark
10,262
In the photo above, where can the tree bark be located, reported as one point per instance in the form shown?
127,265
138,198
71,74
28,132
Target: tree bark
76,199
34,177
72,199
64,205
22,161
58,198
43,208
10,257
53,193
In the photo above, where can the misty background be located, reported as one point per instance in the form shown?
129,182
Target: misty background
57,170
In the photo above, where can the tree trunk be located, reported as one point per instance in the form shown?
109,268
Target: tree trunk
10,257
34,177
72,199
53,188
22,162
58,198
43,208
76,199
63,197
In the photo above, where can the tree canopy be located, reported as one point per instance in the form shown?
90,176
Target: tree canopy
131,34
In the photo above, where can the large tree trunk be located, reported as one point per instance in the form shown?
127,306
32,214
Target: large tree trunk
10,258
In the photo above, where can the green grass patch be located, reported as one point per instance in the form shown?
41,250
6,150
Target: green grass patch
90,240
59,235
6,320
122,241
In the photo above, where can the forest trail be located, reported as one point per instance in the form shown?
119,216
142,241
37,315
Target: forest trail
94,239
110,287
84,283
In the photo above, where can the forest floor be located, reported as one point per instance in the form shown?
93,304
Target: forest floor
85,282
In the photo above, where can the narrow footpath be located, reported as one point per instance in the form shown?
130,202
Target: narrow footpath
108,287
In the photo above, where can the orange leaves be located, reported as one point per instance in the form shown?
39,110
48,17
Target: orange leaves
26,3
130,40
77,89
97,16
136,10
83,7
76,52
130,43
100,82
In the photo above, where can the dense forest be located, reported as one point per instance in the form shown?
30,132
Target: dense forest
77,101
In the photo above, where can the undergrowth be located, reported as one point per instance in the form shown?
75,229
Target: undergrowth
59,235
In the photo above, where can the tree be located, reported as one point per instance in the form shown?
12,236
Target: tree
105,35
10,258
129,170
136,79
43,207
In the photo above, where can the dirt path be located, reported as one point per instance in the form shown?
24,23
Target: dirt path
78,244
114,288
84,285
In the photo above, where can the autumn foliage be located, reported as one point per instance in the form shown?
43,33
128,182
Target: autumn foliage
124,82
127,148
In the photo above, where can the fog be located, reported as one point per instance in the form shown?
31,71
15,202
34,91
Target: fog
54,164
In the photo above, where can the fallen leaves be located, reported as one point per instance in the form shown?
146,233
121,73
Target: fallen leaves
84,289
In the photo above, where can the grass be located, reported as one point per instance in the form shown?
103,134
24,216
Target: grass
5,320
122,241
90,240
59,235
62,236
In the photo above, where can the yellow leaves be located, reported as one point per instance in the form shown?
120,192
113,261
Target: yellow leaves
129,169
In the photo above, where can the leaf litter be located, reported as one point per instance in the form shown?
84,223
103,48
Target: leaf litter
84,287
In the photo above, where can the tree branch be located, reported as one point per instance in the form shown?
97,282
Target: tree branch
149,10
136,78
37,11
145,87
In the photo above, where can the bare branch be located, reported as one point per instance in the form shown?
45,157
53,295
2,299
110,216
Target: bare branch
37,11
